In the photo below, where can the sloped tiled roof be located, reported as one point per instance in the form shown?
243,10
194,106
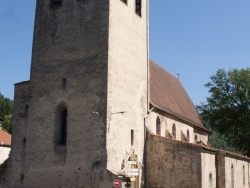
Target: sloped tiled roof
168,95
5,138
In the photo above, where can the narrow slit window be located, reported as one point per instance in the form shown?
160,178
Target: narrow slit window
132,137
138,7
24,141
174,131
232,176
64,83
158,126
244,177
26,109
63,128
188,136
22,177
210,180
195,138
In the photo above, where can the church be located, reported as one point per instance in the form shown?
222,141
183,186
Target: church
97,110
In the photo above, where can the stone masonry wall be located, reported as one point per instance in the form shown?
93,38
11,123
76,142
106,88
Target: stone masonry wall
208,168
236,173
127,83
69,70
172,164
15,163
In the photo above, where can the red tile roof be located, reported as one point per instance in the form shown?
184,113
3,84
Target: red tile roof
5,138
168,95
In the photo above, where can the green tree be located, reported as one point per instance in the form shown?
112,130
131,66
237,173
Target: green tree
227,110
6,110
7,122
218,140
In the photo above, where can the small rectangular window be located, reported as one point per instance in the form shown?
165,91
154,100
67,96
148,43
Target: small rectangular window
138,7
132,137
55,3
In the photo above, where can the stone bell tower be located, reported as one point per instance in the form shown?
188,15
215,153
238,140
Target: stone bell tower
81,115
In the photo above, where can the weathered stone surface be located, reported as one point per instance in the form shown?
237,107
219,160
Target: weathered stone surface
127,82
208,170
90,60
85,59
175,164
172,164
236,173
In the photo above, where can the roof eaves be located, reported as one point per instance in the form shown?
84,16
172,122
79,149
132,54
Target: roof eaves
5,145
181,117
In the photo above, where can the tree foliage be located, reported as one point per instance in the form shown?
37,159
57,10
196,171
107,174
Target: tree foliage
6,110
218,140
227,110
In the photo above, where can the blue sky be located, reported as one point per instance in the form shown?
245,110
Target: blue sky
192,38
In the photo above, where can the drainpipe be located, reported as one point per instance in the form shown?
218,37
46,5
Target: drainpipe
148,95
144,151
147,40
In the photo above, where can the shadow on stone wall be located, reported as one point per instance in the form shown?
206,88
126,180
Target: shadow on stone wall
3,168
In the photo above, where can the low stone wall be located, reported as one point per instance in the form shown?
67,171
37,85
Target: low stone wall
236,172
175,164
172,164
208,169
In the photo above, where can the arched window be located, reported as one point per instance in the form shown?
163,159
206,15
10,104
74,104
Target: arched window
61,126
158,126
174,131
232,176
195,138
188,136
